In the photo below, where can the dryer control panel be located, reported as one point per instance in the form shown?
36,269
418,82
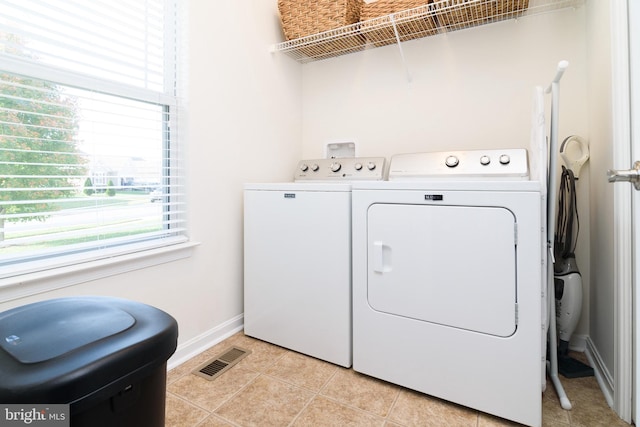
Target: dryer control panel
475,164
341,169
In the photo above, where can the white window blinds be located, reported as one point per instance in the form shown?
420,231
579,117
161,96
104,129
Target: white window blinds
127,42
90,164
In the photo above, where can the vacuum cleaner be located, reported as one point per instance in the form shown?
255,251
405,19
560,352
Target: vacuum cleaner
567,278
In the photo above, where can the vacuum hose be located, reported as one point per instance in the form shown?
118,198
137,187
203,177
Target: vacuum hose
565,243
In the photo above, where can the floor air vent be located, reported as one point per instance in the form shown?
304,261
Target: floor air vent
214,368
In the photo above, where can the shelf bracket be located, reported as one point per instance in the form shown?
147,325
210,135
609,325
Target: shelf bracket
404,61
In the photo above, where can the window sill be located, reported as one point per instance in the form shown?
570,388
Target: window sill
24,285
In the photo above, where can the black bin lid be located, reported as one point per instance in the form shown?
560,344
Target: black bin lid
46,331
69,349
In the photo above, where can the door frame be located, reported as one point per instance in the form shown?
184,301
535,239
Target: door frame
634,86
623,222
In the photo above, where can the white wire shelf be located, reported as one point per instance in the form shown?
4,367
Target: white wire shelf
439,17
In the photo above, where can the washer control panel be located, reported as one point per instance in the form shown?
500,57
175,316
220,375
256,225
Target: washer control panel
477,164
341,169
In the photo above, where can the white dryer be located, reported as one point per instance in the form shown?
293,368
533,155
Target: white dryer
297,257
447,279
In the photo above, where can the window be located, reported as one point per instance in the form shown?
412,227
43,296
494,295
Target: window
90,162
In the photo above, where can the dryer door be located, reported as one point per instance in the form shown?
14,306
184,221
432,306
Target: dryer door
453,266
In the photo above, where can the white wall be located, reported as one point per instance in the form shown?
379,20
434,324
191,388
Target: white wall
470,89
244,124
602,235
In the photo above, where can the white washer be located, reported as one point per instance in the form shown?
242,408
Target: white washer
447,279
297,258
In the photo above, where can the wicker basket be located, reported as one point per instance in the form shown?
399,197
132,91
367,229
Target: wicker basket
380,32
465,13
301,18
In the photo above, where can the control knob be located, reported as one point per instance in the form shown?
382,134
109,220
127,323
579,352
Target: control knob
505,159
304,167
358,166
451,161
371,166
315,167
485,160
335,167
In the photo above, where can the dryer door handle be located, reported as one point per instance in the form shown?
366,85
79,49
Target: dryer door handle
381,257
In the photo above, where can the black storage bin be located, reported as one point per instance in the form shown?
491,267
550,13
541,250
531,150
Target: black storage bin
105,357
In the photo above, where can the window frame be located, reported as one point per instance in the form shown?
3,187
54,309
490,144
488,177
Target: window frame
69,269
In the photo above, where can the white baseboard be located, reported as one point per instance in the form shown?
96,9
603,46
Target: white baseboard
197,345
578,343
602,374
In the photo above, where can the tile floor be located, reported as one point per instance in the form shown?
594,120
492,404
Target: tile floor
273,386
